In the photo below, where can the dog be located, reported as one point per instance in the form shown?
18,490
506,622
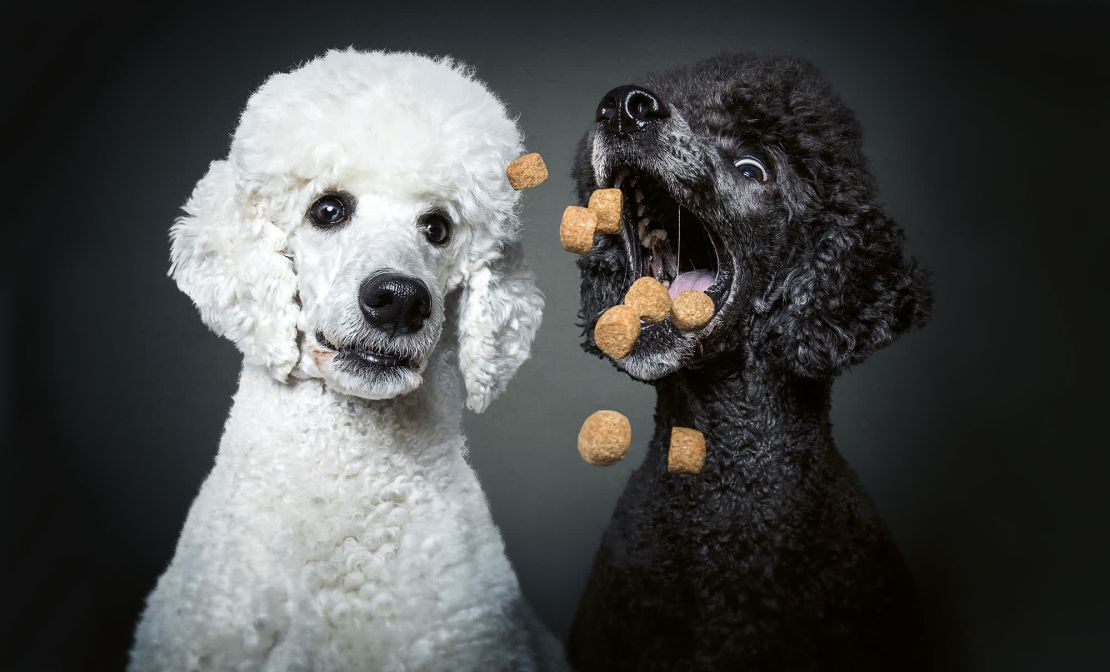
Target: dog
360,246
743,177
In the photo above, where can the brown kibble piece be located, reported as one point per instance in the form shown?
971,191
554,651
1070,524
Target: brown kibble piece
692,310
616,331
527,171
604,438
687,452
577,230
606,204
649,298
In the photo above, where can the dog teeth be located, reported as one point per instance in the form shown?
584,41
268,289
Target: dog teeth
639,196
641,227
640,210
653,238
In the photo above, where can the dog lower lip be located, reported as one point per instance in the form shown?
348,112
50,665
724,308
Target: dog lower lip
366,355
379,358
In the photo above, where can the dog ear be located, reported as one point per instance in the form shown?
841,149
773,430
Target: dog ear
228,258
500,311
847,295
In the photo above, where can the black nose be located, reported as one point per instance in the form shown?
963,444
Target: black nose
630,108
395,303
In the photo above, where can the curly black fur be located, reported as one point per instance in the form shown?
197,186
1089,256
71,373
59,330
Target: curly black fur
772,558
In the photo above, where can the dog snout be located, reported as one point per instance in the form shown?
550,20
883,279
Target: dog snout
630,108
395,303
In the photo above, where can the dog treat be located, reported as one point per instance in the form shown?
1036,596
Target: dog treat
687,451
649,298
606,204
692,310
527,171
577,230
616,331
604,438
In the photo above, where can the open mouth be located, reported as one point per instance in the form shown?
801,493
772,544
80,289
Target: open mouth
365,357
667,241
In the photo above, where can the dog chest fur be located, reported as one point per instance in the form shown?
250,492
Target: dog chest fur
748,562
344,530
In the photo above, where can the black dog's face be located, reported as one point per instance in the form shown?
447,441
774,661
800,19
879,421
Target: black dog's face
706,205
743,177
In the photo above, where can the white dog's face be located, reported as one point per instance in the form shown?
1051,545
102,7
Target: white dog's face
373,273
361,192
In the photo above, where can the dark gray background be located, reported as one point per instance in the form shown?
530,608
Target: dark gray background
979,437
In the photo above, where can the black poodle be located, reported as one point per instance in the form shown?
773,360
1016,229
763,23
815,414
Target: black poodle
773,557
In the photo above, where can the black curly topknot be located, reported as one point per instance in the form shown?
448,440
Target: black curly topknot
773,557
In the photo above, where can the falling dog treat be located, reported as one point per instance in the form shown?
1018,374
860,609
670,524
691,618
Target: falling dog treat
687,452
577,230
604,438
649,298
527,171
692,310
606,204
616,331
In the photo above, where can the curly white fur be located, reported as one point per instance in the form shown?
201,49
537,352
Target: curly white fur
341,527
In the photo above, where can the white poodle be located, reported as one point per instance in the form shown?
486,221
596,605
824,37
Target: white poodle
362,211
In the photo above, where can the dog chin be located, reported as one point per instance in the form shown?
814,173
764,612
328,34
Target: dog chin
376,385
648,367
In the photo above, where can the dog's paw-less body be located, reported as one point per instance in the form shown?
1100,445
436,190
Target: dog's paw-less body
340,534
771,557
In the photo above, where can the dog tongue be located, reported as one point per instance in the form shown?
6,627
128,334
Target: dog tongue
698,280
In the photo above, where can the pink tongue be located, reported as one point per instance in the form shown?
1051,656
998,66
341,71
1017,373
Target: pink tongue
699,281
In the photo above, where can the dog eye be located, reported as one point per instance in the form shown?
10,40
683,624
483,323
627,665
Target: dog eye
329,210
751,168
436,227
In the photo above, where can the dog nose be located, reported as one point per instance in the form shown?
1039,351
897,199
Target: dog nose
630,108
395,303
